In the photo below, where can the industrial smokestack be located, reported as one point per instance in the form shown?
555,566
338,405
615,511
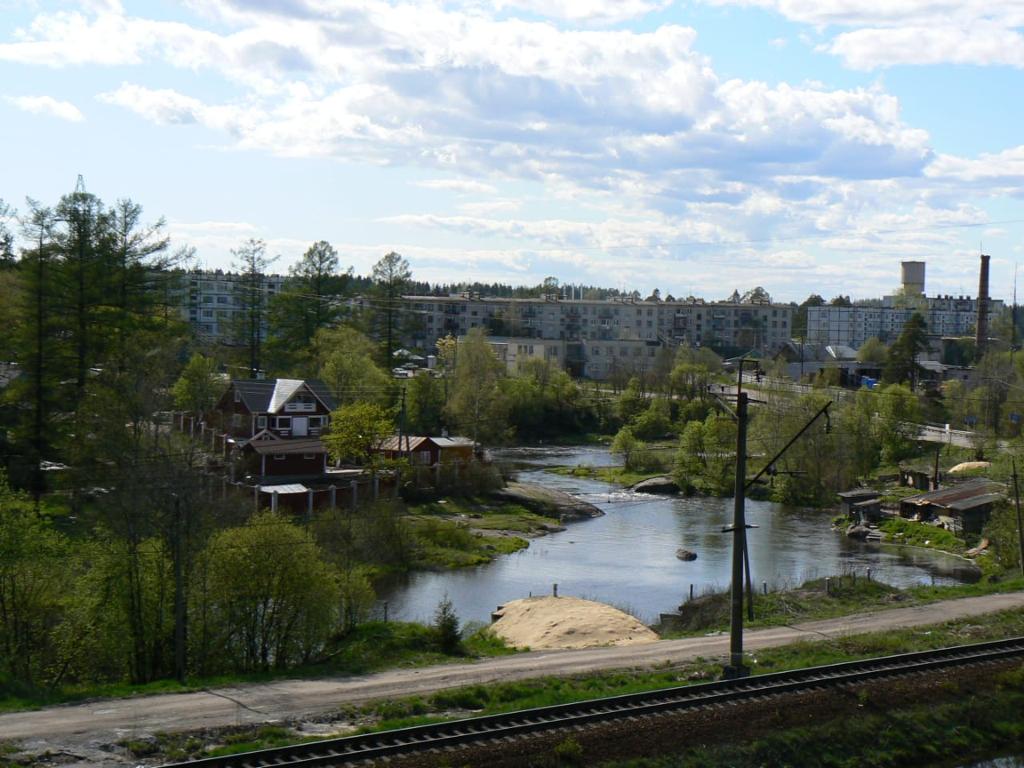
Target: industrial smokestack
982,324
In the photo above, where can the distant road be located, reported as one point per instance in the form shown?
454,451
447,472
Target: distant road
80,730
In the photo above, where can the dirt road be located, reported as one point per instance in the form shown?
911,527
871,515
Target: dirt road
82,728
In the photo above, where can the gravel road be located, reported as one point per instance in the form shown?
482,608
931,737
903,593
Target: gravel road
80,731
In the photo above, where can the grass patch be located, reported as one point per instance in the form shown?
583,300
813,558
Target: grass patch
963,724
848,594
370,647
449,532
916,534
524,694
616,475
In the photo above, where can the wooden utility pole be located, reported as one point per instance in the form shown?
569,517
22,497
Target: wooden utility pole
180,637
1020,528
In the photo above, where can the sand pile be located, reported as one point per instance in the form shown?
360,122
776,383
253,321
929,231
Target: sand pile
567,622
969,465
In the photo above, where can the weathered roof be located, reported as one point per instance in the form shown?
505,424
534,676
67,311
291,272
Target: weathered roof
413,442
976,501
404,443
453,442
270,395
959,497
284,488
841,352
858,493
264,447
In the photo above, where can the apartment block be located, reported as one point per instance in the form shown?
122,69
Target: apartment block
852,326
211,302
599,336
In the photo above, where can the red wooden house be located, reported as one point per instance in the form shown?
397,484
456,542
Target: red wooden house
276,424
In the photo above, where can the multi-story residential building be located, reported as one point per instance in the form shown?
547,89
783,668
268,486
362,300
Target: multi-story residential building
212,302
598,335
852,326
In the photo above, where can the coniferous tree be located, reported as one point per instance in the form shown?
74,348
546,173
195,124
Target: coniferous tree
308,303
391,276
252,263
901,365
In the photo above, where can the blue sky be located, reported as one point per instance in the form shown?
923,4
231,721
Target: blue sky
695,146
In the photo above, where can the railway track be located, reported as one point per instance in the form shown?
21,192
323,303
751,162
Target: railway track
354,750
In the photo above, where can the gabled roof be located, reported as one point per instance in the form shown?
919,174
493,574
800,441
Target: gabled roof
413,442
270,395
404,443
264,447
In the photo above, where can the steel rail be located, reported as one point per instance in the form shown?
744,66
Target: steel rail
370,746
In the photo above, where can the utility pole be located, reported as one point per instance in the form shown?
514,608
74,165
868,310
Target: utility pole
736,668
1020,528
180,639
401,424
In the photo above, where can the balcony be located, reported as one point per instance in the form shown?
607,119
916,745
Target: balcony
299,407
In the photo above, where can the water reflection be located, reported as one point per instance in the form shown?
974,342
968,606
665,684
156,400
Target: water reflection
627,558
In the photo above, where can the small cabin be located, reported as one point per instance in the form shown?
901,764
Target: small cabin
962,508
423,450
847,499
270,456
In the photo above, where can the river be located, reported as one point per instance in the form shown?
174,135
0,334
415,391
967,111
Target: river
627,558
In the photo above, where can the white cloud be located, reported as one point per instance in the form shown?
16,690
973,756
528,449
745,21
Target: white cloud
47,105
920,32
632,130
462,186
588,11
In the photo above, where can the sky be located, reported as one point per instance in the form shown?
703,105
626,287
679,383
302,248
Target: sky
694,146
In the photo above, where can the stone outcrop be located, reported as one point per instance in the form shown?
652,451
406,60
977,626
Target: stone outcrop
547,501
663,484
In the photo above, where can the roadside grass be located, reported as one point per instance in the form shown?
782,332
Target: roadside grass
958,725
370,647
847,594
495,698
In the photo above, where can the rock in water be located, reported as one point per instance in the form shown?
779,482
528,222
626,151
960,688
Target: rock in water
547,501
686,554
858,532
660,484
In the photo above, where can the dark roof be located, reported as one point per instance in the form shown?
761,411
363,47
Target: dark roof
959,497
259,394
858,493
264,447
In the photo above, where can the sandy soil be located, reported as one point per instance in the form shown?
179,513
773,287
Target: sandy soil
546,623
968,465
